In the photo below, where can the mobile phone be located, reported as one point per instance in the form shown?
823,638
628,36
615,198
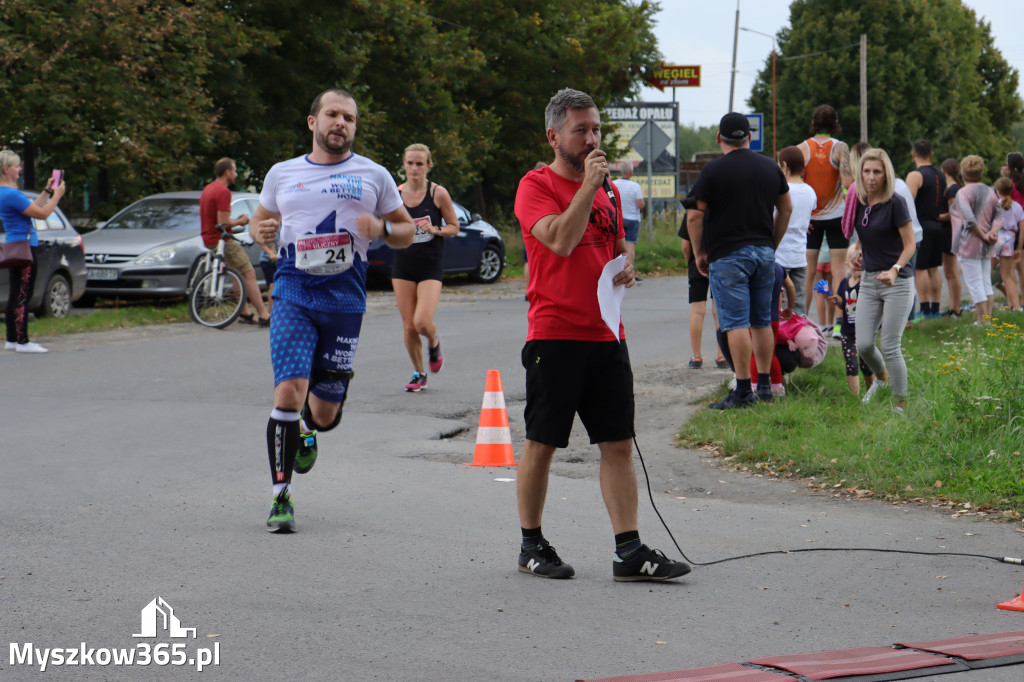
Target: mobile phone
58,175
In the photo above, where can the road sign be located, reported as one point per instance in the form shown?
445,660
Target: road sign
668,76
657,142
756,126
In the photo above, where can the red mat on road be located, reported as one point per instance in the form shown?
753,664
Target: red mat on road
859,662
978,651
727,672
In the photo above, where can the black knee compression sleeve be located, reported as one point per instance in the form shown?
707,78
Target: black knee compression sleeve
282,444
318,376
307,416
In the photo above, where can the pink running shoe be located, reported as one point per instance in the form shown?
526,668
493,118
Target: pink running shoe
417,383
436,359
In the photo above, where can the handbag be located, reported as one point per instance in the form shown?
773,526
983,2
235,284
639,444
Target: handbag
15,254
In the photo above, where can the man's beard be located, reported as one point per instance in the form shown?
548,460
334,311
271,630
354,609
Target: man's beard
339,150
577,162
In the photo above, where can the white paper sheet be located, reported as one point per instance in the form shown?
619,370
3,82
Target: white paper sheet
609,296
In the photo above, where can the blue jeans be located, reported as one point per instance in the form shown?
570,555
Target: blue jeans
741,284
632,229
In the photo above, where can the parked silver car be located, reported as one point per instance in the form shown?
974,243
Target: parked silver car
151,248
60,273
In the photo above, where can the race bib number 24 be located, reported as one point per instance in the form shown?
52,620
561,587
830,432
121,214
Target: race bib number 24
324,254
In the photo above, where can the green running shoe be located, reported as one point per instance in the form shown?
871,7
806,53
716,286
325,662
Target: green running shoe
282,514
306,458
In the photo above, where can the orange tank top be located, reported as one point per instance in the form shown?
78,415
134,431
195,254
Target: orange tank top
823,177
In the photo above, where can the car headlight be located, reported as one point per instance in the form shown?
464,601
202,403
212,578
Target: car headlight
157,256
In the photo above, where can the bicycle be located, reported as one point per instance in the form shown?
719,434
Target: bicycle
216,291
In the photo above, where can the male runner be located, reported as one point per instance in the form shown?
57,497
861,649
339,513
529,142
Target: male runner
327,205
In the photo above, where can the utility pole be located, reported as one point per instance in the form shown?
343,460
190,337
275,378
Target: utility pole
863,87
735,38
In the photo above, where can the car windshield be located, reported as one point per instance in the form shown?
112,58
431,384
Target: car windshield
158,214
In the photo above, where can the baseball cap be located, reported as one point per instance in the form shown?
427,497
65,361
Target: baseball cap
734,127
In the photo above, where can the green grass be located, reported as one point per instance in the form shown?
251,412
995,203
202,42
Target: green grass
959,444
107,317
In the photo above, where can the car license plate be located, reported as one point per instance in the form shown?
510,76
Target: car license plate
102,273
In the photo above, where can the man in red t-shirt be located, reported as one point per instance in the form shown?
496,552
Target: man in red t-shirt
574,363
214,210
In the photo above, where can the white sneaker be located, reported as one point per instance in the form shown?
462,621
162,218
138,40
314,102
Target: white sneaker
876,386
10,345
30,347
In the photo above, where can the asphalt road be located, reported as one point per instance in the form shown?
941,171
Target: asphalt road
135,468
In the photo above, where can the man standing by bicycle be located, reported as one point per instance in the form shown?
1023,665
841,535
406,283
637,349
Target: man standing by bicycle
327,205
214,210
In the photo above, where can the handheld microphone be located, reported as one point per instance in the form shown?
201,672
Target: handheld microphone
608,188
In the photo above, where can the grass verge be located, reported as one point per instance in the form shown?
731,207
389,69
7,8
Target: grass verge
103,319
959,445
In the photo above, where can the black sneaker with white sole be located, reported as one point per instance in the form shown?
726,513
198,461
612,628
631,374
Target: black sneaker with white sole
543,560
648,564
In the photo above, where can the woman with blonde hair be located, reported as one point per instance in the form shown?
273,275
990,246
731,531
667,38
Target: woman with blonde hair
974,239
417,272
17,212
883,225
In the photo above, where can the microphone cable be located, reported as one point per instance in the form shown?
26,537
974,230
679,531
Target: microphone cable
1003,560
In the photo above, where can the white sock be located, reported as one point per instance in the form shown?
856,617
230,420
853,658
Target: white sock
280,488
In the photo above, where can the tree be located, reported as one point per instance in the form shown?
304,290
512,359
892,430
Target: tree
932,72
110,90
532,50
695,139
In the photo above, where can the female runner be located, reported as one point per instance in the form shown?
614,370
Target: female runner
417,271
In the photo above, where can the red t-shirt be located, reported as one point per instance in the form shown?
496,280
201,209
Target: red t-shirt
563,290
215,197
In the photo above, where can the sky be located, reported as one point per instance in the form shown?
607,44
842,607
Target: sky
698,32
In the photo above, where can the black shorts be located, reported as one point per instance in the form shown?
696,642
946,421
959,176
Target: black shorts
591,378
929,251
698,284
946,238
418,269
830,229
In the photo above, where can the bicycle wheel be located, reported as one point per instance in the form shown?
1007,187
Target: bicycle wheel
217,300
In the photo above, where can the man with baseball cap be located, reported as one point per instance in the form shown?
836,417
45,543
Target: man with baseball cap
734,235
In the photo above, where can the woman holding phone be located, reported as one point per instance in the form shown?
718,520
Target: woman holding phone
418,270
17,212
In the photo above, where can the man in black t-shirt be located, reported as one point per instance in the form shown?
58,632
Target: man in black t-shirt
734,237
927,184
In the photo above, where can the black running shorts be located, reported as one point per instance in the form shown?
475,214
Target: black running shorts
591,378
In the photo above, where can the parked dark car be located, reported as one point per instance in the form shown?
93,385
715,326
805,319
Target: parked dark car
477,249
150,248
60,278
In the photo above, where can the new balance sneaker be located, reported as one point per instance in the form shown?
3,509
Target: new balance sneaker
647,564
306,457
282,514
543,560
436,359
417,383
734,399
875,387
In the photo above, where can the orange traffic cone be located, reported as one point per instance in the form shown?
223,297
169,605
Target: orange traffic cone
1015,604
493,437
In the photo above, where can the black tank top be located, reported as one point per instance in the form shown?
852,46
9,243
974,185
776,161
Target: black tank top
930,200
425,245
